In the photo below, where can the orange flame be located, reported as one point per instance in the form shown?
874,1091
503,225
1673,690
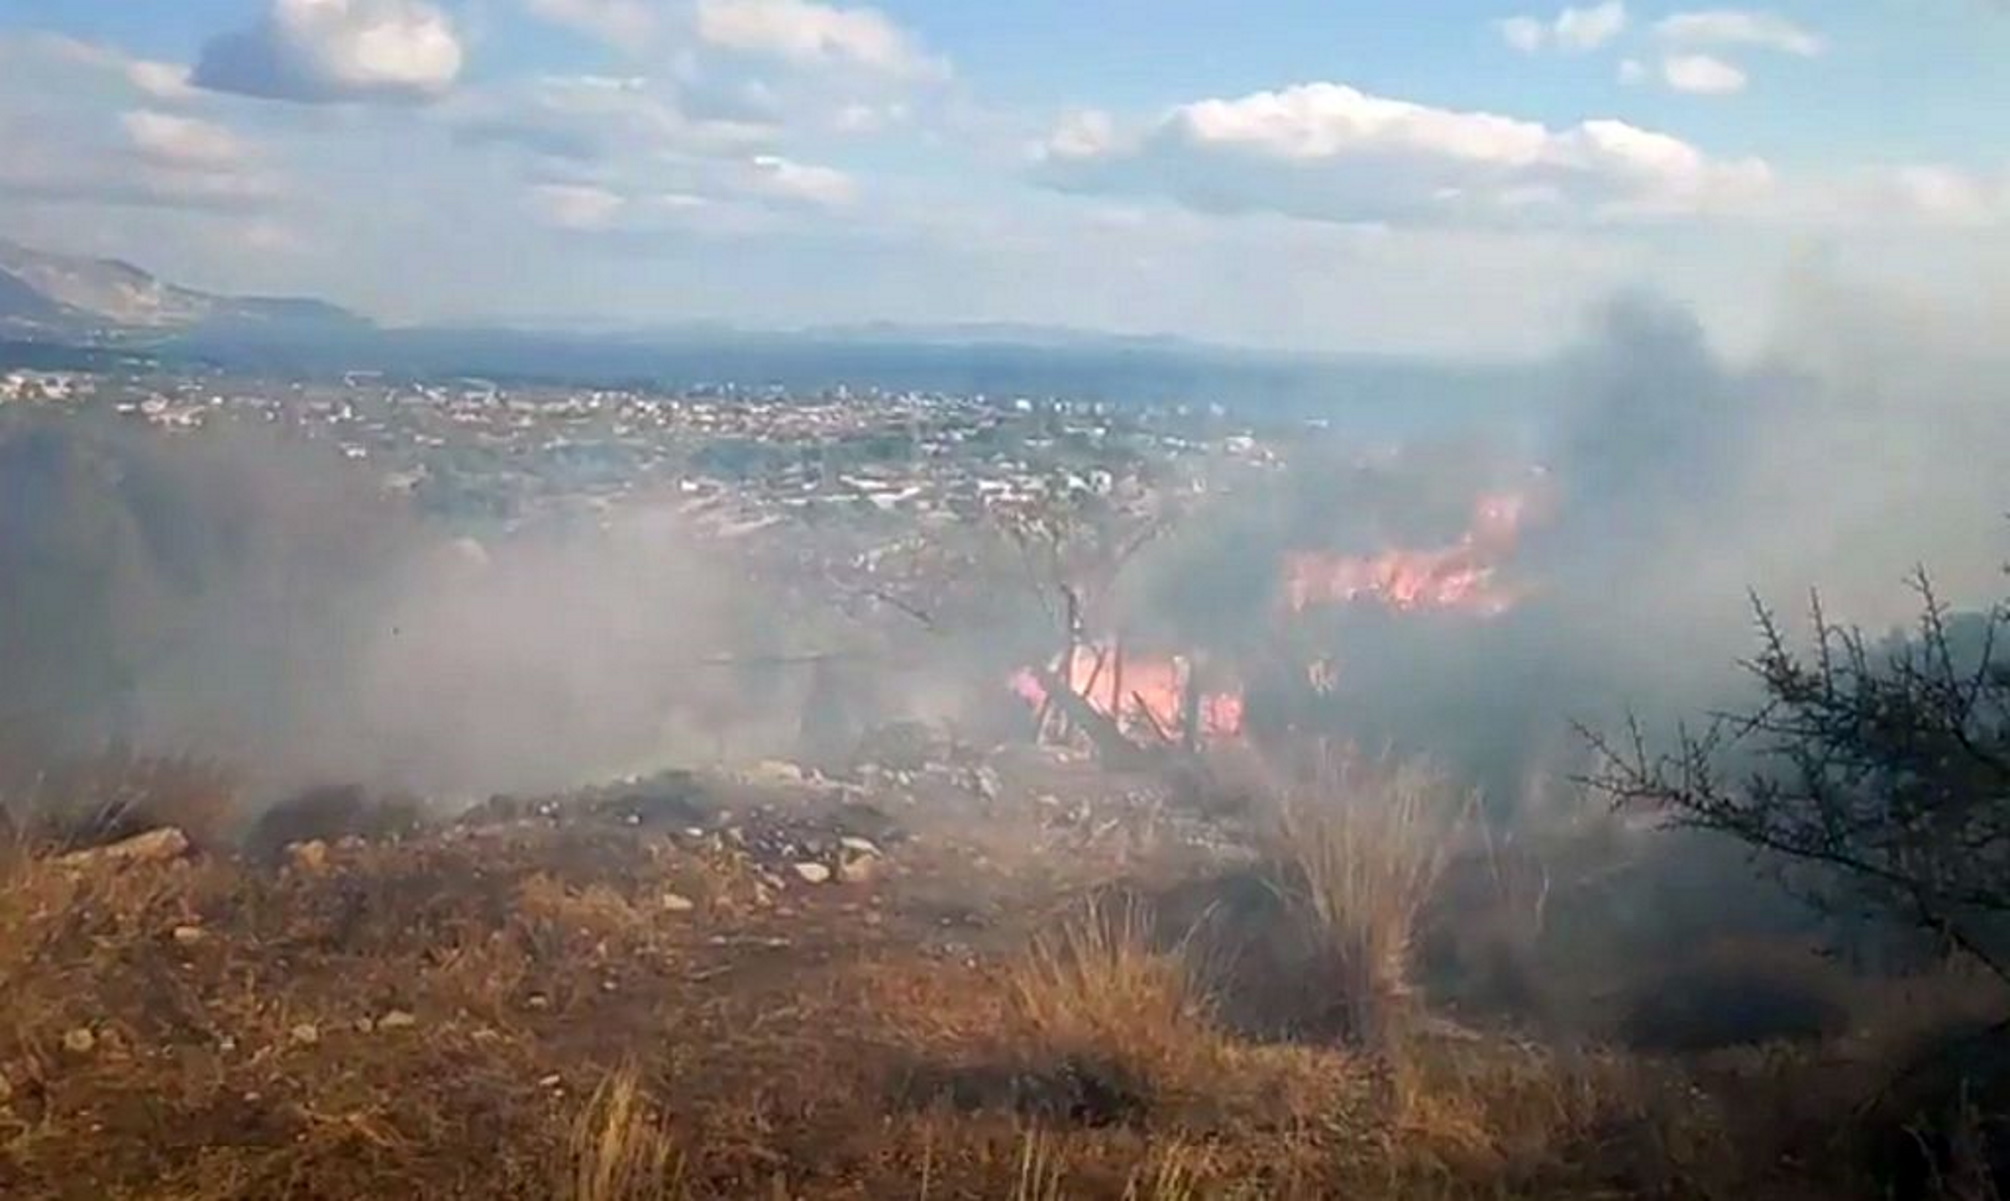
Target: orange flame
1462,577
1145,696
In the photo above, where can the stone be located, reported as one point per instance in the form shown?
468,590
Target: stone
188,936
813,873
863,846
80,1041
775,771
310,857
155,846
859,869
671,902
306,1034
397,1019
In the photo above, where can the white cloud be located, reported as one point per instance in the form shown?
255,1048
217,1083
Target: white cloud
1083,134
576,206
332,50
622,23
1328,152
1525,34
1737,27
1572,31
1702,75
807,33
1632,72
182,160
162,81
1586,29
785,179
183,142
862,118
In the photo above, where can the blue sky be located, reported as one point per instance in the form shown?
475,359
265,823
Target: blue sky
1457,178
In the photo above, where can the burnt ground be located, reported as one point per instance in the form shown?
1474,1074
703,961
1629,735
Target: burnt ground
776,985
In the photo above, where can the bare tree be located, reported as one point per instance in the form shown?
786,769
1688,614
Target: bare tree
1074,543
1882,767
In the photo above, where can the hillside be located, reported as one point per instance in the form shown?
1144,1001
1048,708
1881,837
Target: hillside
67,298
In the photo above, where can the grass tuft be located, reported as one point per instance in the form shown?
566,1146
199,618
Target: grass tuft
1361,847
619,1151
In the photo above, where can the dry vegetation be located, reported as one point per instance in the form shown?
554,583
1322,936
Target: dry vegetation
587,1011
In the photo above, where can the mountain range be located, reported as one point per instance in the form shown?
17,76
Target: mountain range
77,300
59,311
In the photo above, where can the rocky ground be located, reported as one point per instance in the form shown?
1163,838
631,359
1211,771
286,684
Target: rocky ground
935,973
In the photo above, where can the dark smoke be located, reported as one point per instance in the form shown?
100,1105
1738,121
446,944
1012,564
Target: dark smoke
238,595
1681,486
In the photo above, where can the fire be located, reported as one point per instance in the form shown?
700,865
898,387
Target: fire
1461,577
1145,696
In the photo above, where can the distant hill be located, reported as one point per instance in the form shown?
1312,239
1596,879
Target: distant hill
63,310
70,298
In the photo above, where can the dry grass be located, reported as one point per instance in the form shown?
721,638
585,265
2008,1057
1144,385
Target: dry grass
1361,847
619,1150
1097,982
549,993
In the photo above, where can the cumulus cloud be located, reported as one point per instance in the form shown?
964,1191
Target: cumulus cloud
812,34
183,142
163,81
185,161
1702,75
1329,152
1737,27
786,179
623,23
162,163
1572,31
597,118
320,51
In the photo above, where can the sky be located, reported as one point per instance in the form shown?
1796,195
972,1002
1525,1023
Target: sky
1464,178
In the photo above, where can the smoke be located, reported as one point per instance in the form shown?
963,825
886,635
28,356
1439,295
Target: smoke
1670,486
252,598
244,597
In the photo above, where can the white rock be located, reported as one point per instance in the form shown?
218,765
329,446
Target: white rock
397,1019
306,1034
154,846
813,873
674,903
188,936
863,846
80,1041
